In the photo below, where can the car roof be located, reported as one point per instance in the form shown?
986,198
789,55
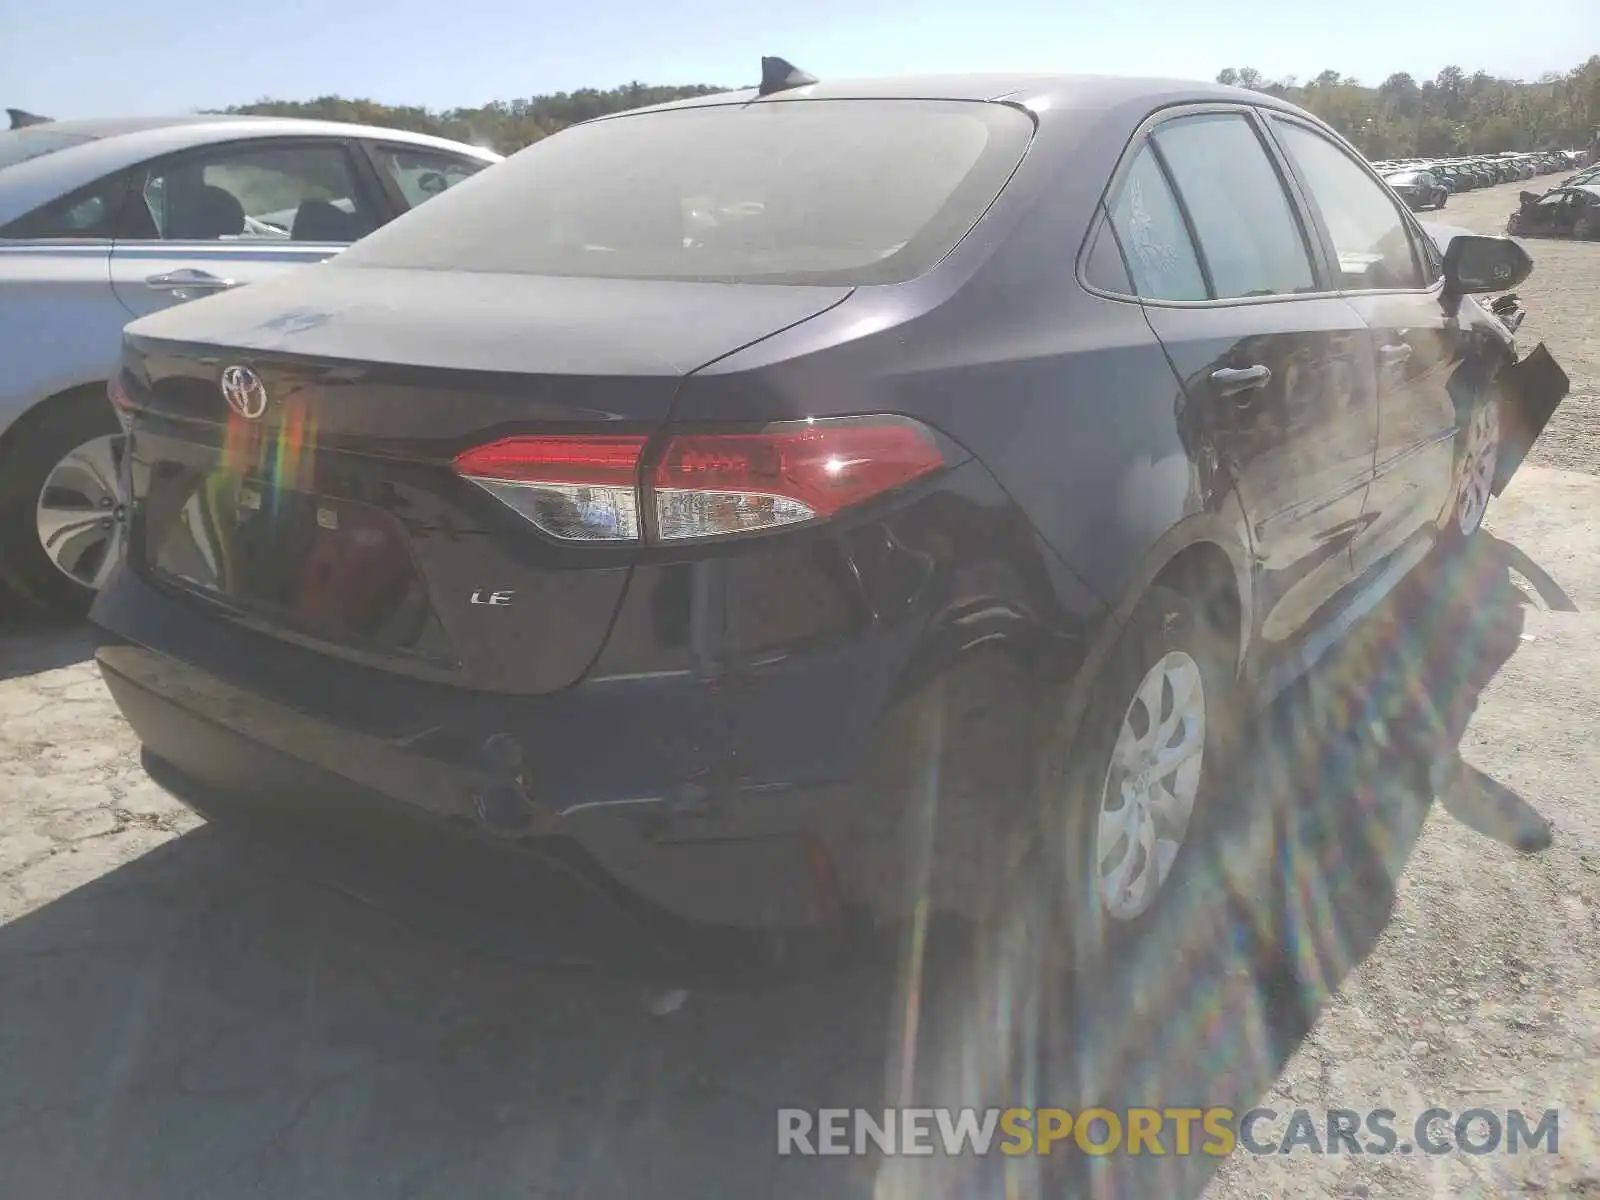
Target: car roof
114,144
1039,92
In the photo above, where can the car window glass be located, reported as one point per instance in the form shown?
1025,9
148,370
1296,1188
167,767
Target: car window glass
1150,227
258,193
88,213
843,192
1370,238
1104,267
1241,215
423,174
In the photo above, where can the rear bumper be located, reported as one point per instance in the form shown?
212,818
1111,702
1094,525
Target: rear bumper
708,758
613,766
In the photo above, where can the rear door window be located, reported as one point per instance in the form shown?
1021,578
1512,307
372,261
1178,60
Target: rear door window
421,174
1248,232
780,191
1155,240
304,192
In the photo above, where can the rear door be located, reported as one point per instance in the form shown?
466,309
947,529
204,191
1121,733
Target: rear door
1390,273
220,216
1275,367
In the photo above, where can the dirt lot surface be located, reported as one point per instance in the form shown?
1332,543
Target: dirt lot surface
185,1013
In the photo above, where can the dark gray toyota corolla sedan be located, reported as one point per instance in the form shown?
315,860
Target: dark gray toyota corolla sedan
686,497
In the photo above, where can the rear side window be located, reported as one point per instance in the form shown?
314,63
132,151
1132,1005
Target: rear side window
1155,240
1104,267
1370,238
779,191
90,213
422,174
1248,233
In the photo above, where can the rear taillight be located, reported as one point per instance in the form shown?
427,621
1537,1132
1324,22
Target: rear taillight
703,484
574,487
708,484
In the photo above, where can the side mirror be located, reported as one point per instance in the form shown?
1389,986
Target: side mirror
1474,264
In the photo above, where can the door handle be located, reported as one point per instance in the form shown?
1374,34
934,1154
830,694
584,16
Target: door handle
187,279
1394,355
1231,381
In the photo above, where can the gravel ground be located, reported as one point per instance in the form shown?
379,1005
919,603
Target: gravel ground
192,1014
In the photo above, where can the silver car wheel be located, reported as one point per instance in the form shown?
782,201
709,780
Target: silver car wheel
1477,467
80,513
1150,786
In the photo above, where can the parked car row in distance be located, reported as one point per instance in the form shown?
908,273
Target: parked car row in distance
1429,183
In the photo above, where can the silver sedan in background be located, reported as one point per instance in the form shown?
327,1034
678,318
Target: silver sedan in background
104,221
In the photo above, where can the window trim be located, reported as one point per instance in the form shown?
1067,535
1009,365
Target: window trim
373,196
1418,237
1310,232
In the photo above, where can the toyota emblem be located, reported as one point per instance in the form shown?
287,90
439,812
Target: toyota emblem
245,393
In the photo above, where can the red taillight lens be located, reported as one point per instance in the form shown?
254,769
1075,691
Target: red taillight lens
586,488
708,484
575,487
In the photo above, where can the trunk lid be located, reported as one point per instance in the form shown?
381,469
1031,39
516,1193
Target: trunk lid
333,517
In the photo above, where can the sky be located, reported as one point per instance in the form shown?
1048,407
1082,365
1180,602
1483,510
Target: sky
109,58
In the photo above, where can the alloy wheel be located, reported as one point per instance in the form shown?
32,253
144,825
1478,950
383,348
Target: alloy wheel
1477,467
81,513
1149,790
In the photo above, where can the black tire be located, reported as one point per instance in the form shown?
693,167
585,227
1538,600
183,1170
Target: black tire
1452,536
33,448
1076,981
1166,621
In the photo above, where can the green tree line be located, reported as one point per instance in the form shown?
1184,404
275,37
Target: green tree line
503,125
1453,113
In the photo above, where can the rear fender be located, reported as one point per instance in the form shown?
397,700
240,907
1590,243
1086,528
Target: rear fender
1223,531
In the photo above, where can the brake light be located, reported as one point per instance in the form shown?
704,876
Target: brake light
709,484
579,487
588,487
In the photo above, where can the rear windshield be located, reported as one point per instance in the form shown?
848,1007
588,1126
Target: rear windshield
821,191
19,145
